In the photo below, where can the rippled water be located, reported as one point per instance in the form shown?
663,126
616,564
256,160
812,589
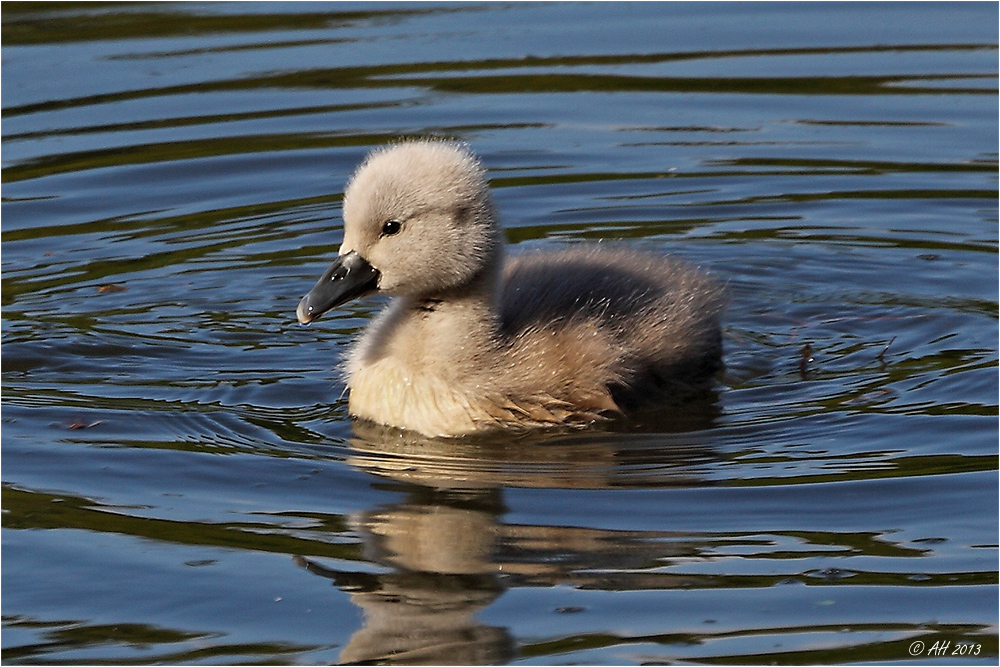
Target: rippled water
182,483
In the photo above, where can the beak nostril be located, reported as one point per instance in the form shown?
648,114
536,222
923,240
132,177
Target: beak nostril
349,277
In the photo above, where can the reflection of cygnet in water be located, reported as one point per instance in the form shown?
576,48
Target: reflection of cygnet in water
423,611
473,343
674,452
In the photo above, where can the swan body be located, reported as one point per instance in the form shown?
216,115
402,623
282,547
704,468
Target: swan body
471,342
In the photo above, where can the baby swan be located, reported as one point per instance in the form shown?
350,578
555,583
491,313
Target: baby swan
471,342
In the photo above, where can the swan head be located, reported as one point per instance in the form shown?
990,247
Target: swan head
418,221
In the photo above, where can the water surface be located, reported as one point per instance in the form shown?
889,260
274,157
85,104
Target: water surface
182,483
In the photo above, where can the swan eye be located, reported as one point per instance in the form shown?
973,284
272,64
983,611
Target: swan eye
390,228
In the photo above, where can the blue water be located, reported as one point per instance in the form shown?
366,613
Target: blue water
182,483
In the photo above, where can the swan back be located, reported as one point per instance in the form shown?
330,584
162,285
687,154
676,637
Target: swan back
641,325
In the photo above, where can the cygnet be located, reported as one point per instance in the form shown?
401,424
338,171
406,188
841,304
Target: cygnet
472,341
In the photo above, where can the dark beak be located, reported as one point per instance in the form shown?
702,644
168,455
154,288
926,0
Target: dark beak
349,277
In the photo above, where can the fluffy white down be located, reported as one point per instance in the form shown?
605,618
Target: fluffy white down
472,343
